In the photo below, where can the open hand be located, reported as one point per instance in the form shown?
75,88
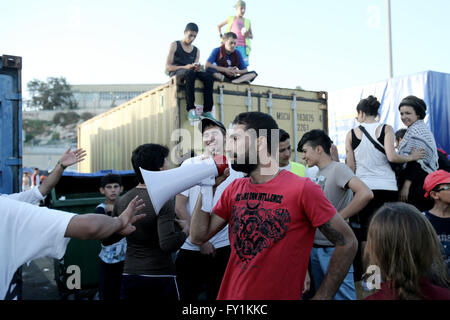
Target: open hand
69,158
129,216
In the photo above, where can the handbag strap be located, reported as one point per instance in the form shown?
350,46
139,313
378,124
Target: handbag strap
377,145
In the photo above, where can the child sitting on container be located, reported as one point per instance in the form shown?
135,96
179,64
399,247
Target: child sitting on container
183,62
226,63
111,256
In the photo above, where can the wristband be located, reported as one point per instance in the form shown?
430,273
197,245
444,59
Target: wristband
62,166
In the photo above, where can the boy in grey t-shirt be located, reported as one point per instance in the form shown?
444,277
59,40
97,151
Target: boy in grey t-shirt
346,192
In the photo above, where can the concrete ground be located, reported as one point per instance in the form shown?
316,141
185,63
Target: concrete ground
39,281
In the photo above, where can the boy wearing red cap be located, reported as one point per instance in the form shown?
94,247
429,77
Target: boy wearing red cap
437,187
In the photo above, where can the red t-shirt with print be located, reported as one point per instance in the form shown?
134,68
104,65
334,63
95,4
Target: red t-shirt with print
271,231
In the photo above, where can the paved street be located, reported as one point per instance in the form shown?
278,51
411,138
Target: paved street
38,280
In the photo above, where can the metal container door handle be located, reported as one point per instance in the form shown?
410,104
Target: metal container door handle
294,108
248,101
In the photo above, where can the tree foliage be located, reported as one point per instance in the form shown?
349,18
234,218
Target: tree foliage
65,118
55,93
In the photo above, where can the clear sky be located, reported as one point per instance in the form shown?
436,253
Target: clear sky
318,45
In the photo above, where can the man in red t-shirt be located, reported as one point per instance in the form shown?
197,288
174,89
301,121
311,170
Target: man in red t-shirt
272,215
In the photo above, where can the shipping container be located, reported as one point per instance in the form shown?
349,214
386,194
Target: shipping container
11,138
160,116
11,124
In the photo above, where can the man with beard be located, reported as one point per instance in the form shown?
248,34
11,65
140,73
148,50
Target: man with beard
272,215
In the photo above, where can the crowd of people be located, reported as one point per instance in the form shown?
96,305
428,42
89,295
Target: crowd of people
274,228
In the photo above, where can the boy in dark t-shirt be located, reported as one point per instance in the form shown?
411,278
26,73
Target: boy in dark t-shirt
183,60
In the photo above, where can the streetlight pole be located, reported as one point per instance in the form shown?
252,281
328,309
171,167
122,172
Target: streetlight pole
389,36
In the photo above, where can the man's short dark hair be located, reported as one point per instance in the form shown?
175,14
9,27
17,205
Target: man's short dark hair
258,121
191,27
110,178
229,35
284,135
315,138
149,156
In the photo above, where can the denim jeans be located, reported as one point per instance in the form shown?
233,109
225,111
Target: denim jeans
320,259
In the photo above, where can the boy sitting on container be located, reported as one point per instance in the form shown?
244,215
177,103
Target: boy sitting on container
112,256
227,64
183,61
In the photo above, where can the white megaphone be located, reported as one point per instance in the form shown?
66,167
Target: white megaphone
163,185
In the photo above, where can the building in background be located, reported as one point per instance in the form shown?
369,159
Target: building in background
101,97
46,138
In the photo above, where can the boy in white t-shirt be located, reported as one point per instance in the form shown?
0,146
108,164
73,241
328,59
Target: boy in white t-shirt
203,266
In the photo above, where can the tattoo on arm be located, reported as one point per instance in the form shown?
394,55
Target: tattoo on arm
332,234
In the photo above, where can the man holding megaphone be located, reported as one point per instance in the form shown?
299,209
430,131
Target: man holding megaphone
272,215
203,266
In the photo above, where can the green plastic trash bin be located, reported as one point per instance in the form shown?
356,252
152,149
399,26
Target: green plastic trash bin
79,193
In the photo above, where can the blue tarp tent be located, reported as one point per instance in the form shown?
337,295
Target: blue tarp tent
432,87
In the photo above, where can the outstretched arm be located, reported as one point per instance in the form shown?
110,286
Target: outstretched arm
68,159
99,226
339,233
393,156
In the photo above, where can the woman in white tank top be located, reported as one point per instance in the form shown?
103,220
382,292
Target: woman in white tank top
371,165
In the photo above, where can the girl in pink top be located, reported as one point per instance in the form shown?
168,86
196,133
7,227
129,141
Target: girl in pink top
241,27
